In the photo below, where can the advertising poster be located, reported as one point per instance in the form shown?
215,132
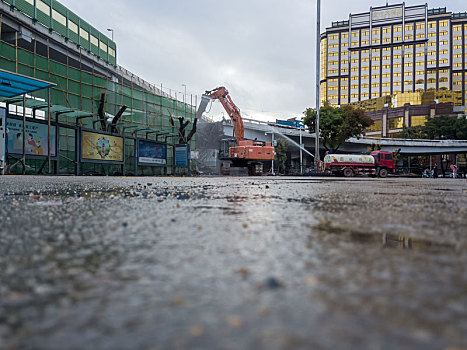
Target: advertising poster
181,155
99,148
36,138
152,153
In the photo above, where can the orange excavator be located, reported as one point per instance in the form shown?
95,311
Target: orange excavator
239,152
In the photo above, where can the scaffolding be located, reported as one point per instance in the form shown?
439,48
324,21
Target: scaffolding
80,84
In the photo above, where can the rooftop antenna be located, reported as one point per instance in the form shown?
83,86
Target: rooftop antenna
387,3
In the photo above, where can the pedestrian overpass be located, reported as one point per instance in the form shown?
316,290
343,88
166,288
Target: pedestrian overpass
270,131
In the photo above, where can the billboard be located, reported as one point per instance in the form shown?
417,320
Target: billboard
36,138
181,155
152,153
101,148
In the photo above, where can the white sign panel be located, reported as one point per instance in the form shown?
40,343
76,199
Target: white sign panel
2,137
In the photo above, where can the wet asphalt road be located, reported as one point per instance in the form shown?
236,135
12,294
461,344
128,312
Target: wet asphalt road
233,263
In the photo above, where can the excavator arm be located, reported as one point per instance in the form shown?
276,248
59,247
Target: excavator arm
222,94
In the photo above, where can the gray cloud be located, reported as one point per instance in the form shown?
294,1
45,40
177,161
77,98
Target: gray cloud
261,50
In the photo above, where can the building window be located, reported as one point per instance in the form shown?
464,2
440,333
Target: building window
365,86
397,38
420,72
443,33
365,42
83,33
409,37
386,75
457,64
354,95
443,80
421,25
431,80
408,64
333,36
431,24
59,17
408,82
408,55
457,47
457,28
443,52
333,62
397,29
94,41
375,85
73,27
431,34
397,56
387,40
375,94
408,27
443,23
43,7
420,63
458,37
419,81
332,71
432,43
443,42
431,53
443,61
432,62
375,41
420,36
355,77
103,46
408,74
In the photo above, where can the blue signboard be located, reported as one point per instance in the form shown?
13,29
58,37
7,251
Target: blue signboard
152,153
181,155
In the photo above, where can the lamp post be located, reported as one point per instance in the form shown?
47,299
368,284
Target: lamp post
184,100
112,31
318,68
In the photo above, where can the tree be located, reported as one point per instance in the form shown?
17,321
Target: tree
281,153
337,124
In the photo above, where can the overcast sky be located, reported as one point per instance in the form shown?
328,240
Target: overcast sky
263,51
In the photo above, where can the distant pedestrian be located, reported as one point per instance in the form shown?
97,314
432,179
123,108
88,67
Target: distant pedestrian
435,171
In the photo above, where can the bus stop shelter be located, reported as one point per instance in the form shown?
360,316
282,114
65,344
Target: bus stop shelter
13,88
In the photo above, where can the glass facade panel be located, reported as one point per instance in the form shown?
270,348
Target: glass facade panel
376,126
419,120
396,123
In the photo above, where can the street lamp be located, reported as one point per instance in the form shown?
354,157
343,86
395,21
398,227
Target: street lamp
111,30
184,100
318,68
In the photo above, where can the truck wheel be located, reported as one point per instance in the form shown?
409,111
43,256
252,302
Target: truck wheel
383,173
348,172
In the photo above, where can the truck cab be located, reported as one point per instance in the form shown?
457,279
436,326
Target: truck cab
384,162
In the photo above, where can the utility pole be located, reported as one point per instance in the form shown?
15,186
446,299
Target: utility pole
318,69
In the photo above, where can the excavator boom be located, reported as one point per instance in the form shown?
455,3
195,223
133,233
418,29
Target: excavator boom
222,94
245,153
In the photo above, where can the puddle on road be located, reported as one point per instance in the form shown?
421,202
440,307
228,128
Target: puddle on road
386,240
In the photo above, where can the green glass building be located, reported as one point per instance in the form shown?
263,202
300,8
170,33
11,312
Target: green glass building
45,40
